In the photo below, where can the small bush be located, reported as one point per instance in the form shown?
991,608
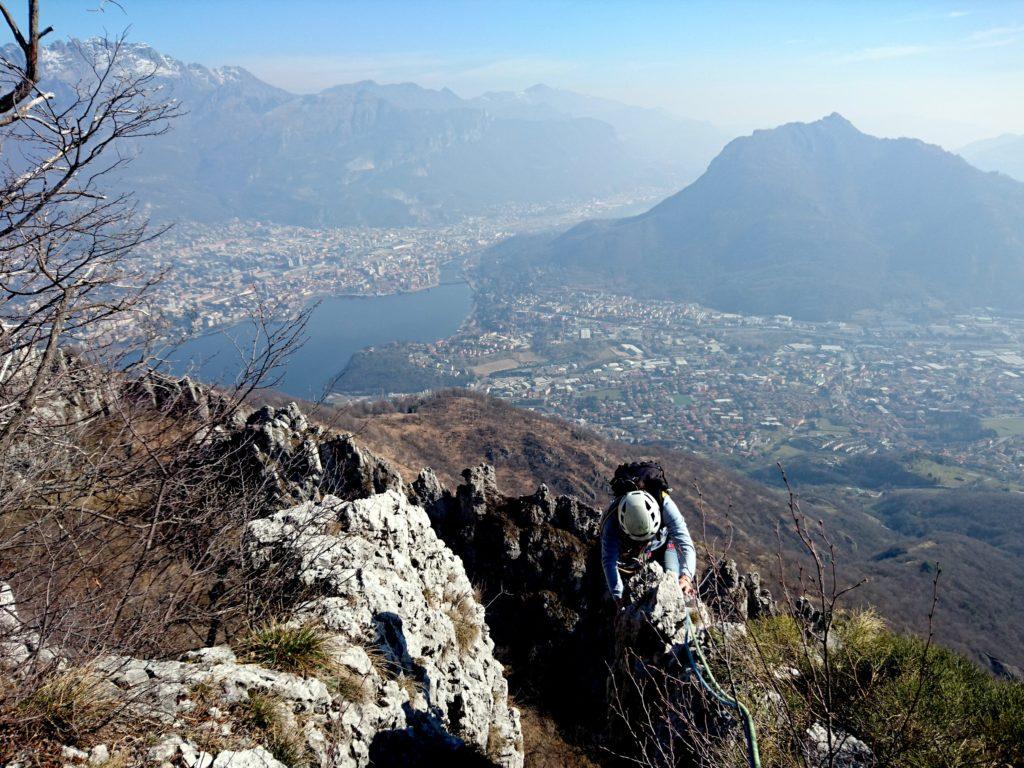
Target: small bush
858,630
915,705
934,708
303,650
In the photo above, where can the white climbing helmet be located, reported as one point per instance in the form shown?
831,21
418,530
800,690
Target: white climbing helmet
639,515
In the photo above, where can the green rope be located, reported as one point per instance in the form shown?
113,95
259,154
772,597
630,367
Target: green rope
708,682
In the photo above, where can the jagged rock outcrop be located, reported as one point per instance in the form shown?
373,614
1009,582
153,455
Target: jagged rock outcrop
180,397
411,677
536,560
296,461
73,391
386,585
734,596
660,715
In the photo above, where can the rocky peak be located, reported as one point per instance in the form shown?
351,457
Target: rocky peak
297,461
384,580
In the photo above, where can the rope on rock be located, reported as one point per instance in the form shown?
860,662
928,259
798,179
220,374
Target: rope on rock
708,682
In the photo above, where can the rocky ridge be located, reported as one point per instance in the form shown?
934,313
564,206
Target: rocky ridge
413,676
398,576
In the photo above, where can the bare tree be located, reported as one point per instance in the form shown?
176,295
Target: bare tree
66,275
123,491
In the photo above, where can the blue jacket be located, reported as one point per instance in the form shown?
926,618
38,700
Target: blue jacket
672,523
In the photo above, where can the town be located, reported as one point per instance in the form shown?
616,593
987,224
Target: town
753,389
212,275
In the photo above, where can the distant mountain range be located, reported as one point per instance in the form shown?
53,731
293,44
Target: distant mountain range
376,154
812,220
651,135
1004,154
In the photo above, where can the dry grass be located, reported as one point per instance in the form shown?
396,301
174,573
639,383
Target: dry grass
302,650
412,687
382,664
77,707
348,685
545,746
462,613
264,717
68,706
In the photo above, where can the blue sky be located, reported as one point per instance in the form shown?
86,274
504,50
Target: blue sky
948,72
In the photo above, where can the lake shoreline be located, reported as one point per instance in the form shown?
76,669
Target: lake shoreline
338,327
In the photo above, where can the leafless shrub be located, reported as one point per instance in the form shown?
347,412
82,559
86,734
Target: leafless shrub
812,665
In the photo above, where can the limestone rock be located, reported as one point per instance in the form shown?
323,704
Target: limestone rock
297,461
734,596
18,643
247,758
414,681
354,472
426,491
536,558
388,589
846,751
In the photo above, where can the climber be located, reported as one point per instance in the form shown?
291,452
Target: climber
642,522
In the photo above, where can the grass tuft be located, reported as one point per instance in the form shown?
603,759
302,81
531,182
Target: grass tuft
348,685
462,613
67,706
303,650
264,715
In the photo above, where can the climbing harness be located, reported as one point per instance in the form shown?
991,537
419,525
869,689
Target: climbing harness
708,682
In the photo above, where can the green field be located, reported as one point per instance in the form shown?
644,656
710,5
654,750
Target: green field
1005,426
949,476
607,394
826,427
682,401
786,452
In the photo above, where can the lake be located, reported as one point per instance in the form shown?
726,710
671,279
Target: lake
337,328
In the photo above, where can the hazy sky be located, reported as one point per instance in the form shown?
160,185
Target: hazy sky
943,71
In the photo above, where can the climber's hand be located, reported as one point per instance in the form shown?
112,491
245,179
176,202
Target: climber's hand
686,584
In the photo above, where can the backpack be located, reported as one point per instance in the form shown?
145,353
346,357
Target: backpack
640,476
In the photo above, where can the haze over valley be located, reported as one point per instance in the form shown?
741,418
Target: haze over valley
811,294
323,333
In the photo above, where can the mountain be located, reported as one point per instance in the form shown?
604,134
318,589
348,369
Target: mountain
812,220
1004,154
687,146
305,603
367,153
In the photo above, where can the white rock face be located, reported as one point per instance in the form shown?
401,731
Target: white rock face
17,643
414,682
402,610
421,683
